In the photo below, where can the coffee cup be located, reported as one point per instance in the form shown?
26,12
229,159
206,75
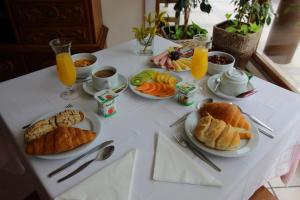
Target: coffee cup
105,78
234,82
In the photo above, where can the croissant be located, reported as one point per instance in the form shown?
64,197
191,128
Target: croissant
60,140
65,118
217,134
229,113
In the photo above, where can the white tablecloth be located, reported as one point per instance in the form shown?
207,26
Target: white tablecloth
138,119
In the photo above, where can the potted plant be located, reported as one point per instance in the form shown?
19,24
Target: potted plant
145,34
240,36
186,31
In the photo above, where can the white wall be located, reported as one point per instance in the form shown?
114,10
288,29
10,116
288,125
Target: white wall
120,16
149,6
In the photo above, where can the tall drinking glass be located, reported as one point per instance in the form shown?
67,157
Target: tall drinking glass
199,63
65,67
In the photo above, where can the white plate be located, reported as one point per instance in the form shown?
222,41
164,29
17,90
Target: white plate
245,147
89,89
185,70
211,84
91,122
148,96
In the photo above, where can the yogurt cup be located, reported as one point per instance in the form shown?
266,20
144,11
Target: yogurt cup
234,82
186,92
106,102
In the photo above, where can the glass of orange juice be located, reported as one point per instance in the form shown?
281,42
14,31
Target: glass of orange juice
65,67
199,63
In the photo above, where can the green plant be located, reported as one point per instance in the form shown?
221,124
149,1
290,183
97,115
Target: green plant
249,16
149,28
192,30
186,6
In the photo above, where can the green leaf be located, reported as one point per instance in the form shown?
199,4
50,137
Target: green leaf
135,29
235,22
244,29
231,29
149,18
179,32
254,28
228,16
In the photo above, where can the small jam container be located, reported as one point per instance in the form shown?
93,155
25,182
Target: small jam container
186,92
106,102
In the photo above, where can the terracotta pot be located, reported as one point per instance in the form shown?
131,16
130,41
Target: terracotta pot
240,46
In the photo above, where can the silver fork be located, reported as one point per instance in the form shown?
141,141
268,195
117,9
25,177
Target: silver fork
184,143
265,133
28,125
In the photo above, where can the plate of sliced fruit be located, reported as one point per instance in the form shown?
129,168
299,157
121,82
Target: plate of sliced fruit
175,59
154,83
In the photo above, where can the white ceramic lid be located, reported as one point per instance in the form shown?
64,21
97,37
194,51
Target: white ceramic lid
236,75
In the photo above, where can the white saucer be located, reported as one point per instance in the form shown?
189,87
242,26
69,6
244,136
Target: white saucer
211,84
89,89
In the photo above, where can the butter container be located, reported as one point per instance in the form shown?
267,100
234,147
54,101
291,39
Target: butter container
186,93
106,102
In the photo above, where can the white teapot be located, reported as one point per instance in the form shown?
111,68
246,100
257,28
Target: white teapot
234,82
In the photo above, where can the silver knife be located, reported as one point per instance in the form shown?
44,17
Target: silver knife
68,164
201,155
259,122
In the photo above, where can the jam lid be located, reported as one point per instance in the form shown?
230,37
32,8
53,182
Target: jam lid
105,96
185,87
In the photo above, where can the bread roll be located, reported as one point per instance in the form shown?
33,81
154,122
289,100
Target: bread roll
229,113
60,140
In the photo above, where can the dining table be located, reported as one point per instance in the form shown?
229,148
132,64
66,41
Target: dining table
138,120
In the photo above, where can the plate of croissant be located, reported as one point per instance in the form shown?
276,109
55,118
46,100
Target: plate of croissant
61,134
221,129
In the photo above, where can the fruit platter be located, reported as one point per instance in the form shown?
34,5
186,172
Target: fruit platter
154,83
175,59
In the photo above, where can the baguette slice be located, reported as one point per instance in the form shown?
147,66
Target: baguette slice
66,118
60,140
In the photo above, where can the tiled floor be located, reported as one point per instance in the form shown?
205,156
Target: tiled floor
291,192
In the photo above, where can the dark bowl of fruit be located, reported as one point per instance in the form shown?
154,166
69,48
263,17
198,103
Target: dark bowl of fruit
219,62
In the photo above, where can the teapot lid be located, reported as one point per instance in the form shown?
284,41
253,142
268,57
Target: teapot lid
236,75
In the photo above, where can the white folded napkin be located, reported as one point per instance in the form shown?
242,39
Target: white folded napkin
111,183
173,165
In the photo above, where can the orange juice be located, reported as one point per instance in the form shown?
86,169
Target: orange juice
65,69
199,63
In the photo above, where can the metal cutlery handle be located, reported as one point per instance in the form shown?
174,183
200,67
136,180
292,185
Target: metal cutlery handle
265,133
181,119
204,158
76,171
258,121
68,164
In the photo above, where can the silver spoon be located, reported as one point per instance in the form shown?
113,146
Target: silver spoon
198,106
217,81
103,154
